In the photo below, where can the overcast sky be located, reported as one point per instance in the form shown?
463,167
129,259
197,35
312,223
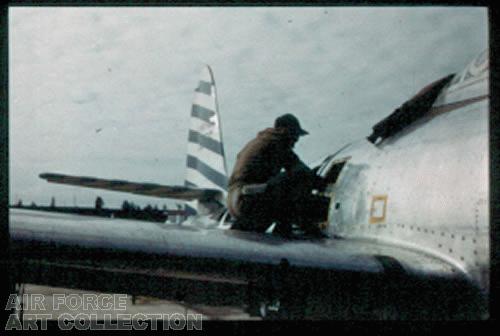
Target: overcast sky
107,92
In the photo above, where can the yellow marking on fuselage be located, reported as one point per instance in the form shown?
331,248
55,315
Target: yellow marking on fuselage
378,209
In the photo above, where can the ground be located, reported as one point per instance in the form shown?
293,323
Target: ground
144,305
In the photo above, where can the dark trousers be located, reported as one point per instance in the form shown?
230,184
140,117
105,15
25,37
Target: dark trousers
287,200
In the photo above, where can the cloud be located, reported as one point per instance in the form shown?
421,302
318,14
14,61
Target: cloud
132,72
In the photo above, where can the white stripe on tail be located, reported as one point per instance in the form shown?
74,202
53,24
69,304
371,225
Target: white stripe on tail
206,163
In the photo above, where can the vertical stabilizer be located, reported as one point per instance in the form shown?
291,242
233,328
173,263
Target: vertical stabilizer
206,163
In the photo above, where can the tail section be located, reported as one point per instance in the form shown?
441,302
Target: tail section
206,163
205,186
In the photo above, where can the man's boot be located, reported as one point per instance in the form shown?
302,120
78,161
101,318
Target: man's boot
283,229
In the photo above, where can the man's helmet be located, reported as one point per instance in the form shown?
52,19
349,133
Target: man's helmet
290,122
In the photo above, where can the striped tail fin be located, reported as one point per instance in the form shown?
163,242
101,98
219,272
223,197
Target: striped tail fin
206,163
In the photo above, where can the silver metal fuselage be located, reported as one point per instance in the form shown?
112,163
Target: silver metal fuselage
425,188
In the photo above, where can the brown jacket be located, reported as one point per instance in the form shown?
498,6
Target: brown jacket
261,159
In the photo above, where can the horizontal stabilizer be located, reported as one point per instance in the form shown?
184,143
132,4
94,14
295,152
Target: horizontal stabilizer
145,189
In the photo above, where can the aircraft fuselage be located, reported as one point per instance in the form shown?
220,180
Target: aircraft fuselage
425,188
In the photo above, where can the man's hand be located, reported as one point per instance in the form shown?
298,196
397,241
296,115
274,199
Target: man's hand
319,183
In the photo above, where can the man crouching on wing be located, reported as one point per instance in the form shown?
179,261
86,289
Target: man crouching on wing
260,193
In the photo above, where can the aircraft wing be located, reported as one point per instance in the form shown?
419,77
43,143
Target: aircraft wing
218,267
145,189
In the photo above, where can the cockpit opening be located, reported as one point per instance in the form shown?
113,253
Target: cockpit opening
330,169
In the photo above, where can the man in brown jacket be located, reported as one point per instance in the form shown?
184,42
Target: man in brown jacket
260,193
